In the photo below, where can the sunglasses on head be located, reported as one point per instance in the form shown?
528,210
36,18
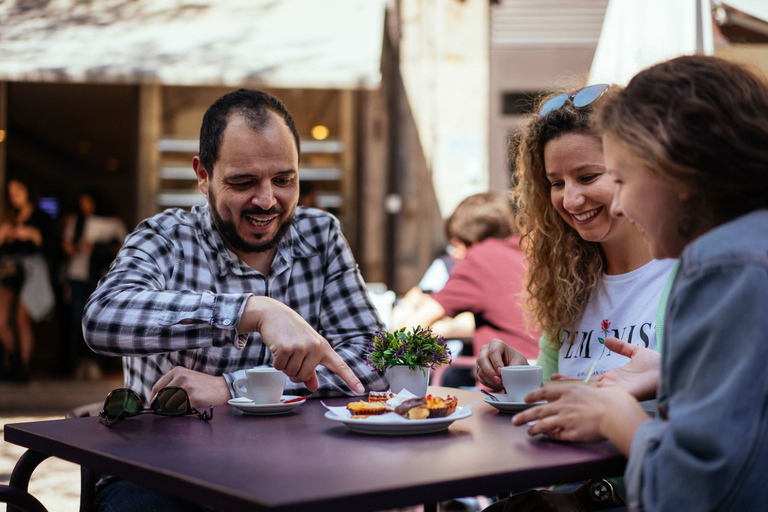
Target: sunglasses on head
171,401
579,99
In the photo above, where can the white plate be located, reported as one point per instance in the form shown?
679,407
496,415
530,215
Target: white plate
504,405
400,426
248,407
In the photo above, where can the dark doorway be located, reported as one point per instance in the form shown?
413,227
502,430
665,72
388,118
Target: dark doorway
65,138
73,136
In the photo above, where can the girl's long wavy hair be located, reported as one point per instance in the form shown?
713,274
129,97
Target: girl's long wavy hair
563,268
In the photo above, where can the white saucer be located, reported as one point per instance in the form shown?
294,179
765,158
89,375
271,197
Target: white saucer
248,407
504,405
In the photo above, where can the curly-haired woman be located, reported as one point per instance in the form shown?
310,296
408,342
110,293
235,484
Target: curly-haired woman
590,275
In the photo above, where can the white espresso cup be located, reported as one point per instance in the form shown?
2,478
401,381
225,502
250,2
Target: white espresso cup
262,384
518,381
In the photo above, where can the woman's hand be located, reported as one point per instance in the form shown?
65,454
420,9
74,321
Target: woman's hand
494,356
578,412
639,377
29,233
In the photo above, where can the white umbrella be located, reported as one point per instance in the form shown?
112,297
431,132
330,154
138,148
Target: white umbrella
639,33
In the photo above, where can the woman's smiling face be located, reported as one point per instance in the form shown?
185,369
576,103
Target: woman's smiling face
581,190
652,206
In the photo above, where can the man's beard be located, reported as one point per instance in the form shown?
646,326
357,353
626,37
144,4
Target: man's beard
228,230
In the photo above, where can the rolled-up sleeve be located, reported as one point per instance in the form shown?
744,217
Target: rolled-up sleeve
142,307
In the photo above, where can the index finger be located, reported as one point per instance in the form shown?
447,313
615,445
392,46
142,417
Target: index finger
539,411
162,382
528,415
496,358
620,347
336,364
489,361
550,393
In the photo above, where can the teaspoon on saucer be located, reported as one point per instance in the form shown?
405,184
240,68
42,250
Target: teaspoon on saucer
493,397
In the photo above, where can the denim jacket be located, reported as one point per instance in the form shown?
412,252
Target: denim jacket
708,447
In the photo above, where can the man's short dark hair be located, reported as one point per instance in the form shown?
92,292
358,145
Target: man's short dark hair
255,107
481,216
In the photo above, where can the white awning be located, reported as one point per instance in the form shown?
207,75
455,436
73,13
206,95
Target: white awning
285,43
639,33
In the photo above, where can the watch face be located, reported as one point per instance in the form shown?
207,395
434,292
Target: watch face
600,490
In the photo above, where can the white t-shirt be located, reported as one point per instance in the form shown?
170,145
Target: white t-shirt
625,306
95,230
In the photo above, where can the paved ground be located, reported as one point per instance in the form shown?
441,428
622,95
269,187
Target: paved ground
55,483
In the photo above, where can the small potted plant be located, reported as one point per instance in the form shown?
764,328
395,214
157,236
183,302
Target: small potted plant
407,356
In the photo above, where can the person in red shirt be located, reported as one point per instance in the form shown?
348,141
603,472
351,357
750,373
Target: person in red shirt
487,282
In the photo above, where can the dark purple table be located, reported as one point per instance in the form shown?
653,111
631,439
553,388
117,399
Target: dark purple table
303,461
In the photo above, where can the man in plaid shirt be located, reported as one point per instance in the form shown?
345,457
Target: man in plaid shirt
195,298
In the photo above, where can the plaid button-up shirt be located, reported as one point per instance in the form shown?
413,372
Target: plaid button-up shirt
175,293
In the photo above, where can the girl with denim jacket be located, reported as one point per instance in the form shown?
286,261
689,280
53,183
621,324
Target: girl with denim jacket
687,144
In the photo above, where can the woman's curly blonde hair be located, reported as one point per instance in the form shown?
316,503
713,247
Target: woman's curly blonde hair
563,268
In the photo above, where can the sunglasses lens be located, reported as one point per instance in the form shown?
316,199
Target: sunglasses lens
588,94
171,402
553,104
122,400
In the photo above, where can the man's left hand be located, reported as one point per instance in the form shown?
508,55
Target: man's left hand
203,389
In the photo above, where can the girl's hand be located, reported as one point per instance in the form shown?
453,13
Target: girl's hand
578,412
639,377
494,356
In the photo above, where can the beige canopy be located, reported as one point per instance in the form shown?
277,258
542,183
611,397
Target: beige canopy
278,43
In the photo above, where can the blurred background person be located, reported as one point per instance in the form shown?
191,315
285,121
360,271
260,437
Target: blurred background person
471,220
459,227
27,245
308,195
486,283
90,242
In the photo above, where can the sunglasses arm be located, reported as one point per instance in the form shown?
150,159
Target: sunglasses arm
205,415
109,422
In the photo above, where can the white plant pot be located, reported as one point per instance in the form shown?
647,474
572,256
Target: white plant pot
402,377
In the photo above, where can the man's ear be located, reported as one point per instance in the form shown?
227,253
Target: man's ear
202,175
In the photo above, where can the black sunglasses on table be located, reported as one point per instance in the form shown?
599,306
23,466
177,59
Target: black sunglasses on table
170,401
